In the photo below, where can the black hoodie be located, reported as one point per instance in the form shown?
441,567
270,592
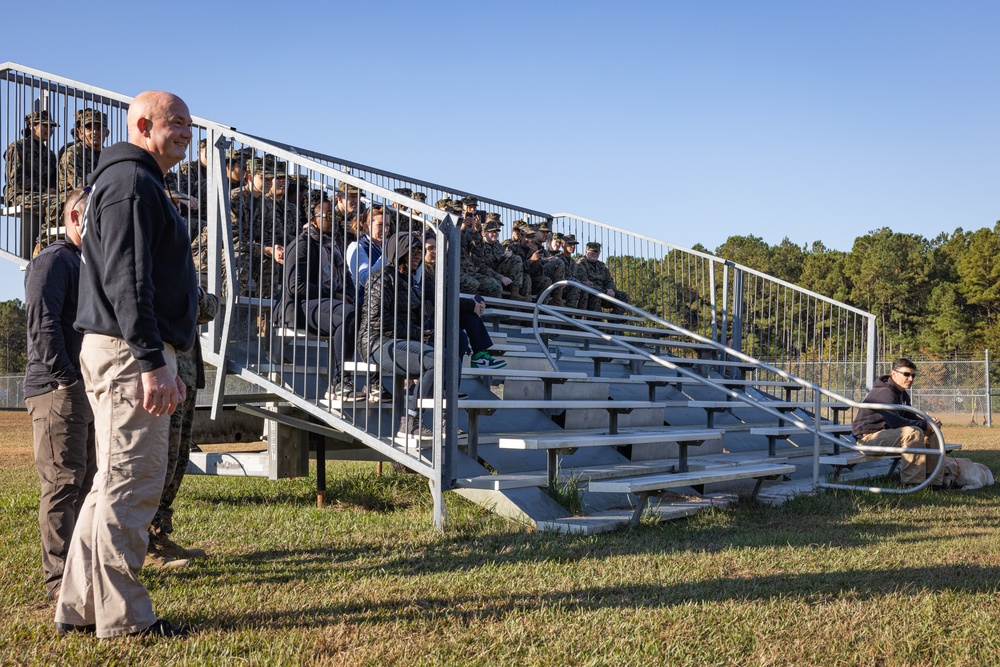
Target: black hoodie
137,279
872,421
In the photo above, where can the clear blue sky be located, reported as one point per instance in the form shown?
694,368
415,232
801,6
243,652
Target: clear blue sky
686,121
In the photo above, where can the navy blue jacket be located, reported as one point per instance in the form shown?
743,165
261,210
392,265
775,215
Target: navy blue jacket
51,283
137,281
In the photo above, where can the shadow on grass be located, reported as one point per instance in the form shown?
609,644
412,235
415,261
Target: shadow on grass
855,585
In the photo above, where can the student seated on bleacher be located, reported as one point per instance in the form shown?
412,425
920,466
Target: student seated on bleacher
364,256
595,273
32,180
898,428
393,335
474,338
316,294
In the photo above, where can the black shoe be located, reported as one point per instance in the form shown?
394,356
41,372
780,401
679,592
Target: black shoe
345,392
409,427
379,394
63,629
163,628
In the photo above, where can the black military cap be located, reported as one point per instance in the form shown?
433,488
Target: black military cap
492,226
470,201
406,192
570,240
419,196
594,245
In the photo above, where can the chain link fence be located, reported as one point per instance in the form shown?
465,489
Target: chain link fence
952,388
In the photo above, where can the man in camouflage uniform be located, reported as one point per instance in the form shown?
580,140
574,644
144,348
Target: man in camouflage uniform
551,267
503,264
523,245
33,181
347,215
78,158
199,246
595,273
475,278
573,296
163,551
263,221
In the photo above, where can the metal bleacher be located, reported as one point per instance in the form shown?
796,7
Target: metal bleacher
688,400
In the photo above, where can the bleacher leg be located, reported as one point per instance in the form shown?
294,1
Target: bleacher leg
640,508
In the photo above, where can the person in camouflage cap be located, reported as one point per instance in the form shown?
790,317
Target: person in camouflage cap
235,169
503,263
475,276
531,255
33,181
262,221
552,267
163,551
595,273
78,158
573,296
348,214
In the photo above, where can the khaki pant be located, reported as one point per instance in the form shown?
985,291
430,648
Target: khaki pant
101,581
916,467
65,459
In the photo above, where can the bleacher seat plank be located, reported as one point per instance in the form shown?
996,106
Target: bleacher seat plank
617,439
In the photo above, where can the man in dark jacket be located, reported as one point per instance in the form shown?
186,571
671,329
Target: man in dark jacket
316,294
898,428
61,418
138,303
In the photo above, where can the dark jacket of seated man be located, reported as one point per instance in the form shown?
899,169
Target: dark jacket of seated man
872,421
313,272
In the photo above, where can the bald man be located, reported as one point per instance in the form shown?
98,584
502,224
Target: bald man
137,305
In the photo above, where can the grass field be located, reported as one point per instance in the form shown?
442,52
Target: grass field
836,579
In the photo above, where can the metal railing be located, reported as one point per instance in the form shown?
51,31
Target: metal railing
245,201
806,333
724,352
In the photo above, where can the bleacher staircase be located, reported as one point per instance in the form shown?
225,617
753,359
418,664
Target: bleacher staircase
611,403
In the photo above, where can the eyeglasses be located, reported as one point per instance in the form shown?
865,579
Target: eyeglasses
86,191
908,374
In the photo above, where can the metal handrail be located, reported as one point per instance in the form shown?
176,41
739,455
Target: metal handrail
818,391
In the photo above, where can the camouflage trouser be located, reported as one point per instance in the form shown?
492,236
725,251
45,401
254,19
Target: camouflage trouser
181,423
595,302
574,297
477,283
40,218
520,282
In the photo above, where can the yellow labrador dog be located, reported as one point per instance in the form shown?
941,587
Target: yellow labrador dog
966,474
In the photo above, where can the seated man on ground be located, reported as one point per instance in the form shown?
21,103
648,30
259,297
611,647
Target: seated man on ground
898,428
316,294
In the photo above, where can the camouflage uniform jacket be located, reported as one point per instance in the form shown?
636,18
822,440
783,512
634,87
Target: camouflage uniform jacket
76,162
533,267
492,256
31,168
597,273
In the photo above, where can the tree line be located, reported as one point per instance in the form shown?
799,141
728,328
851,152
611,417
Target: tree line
936,298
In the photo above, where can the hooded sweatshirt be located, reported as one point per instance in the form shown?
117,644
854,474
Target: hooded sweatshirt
884,390
137,278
